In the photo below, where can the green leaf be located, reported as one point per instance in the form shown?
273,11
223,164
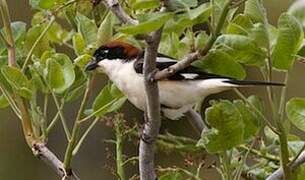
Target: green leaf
17,80
31,36
227,127
79,44
241,25
57,34
15,77
3,102
19,33
173,46
107,100
105,30
155,21
288,42
55,75
259,34
34,3
203,9
37,81
182,4
295,109
117,104
255,9
70,14
241,48
45,56
115,91
201,39
60,72
87,28
49,4
178,24
295,146
82,61
221,63
19,30
257,102
102,99
297,10
68,68
146,4
45,4
250,119
75,93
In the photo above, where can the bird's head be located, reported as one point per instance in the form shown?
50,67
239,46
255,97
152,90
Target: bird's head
113,51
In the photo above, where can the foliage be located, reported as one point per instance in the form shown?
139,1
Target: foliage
245,39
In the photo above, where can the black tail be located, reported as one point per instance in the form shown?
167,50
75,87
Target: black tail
253,83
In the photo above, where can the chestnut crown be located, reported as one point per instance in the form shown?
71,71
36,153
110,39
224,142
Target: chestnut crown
113,51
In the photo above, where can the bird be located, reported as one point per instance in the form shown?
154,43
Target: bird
123,64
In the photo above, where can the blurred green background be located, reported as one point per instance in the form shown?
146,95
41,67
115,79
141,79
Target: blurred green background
18,163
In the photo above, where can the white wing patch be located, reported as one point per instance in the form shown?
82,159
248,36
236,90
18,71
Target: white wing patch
165,59
189,75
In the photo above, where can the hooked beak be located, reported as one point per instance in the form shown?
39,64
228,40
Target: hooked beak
91,65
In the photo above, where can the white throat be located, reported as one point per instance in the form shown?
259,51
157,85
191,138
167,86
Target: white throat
123,75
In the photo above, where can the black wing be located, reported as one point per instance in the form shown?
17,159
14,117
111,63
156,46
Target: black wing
189,73
194,73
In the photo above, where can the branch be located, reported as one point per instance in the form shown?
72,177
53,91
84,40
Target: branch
119,12
278,174
44,154
153,121
117,9
6,20
189,59
77,125
39,149
43,33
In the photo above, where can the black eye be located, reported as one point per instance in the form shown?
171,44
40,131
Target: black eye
101,53
109,53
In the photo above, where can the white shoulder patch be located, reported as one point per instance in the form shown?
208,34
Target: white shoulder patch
165,59
189,75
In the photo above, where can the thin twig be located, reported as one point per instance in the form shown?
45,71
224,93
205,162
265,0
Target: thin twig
97,111
256,110
43,33
76,127
11,101
117,9
81,140
135,158
9,40
2,38
118,125
61,114
55,119
266,156
184,171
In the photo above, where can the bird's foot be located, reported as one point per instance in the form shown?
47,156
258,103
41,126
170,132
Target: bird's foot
147,138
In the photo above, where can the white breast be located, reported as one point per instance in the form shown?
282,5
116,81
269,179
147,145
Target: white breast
123,75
